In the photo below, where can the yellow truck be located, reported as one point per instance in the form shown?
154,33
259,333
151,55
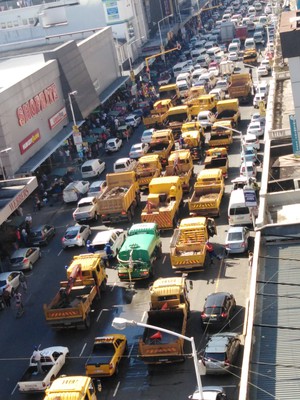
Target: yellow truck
250,56
171,92
241,87
217,157
228,110
208,192
162,143
71,387
158,115
121,196
148,167
188,243
169,309
163,202
180,163
192,141
176,117
195,92
221,134
71,306
206,102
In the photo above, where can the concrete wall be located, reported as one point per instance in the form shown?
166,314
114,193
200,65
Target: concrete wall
11,133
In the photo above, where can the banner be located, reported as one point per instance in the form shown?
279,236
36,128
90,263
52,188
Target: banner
294,134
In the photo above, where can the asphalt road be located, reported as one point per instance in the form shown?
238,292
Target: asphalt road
135,379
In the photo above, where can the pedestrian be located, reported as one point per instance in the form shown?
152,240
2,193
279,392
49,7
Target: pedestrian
28,219
7,296
24,236
250,258
23,282
90,247
108,251
67,153
37,201
18,301
211,252
36,356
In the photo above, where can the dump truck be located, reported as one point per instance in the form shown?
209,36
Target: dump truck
139,252
171,92
250,57
71,306
176,117
194,93
217,157
241,32
221,134
72,387
158,115
180,163
163,202
148,167
162,143
120,198
208,192
193,141
188,243
228,110
169,309
241,87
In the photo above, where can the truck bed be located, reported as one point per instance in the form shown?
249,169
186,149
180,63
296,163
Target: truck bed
32,374
171,320
77,295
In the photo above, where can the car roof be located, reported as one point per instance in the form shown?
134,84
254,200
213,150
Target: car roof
123,160
96,184
233,229
104,236
216,298
19,252
73,227
216,344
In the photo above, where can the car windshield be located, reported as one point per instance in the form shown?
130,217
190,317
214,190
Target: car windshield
233,236
71,234
36,233
215,356
16,260
2,283
110,144
99,247
87,168
135,147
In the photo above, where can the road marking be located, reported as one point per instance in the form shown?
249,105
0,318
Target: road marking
84,346
131,348
60,252
100,313
164,259
229,386
15,388
219,274
116,389
143,316
113,286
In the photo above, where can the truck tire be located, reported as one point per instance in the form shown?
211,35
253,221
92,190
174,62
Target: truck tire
103,285
159,251
132,210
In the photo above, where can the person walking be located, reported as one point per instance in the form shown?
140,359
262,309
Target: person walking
24,236
211,252
250,259
19,303
36,356
7,296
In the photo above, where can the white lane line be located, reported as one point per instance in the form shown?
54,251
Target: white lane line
164,259
143,316
116,389
60,252
131,348
15,388
113,286
84,346
100,313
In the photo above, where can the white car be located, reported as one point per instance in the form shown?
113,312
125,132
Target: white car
96,188
258,38
256,117
222,84
113,145
24,258
147,135
263,87
251,140
259,96
10,278
138,150
164,78
114,237
206,119
219,93
76,235
124,164
248,169
209,393
133,120
262,71
75,190
255,128
266,63
233,56
214,70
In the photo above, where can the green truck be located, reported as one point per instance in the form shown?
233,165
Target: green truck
139,251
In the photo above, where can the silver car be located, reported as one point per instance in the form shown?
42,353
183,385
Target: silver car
237,240
10,278
23,259
76,235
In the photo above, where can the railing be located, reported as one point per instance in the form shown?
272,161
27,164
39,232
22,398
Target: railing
279,133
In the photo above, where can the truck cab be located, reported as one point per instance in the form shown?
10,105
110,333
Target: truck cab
180,163
221,134
148,167
72,387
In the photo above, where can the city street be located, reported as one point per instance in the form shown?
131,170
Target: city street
135,380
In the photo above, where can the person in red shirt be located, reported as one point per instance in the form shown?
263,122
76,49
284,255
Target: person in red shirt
211,252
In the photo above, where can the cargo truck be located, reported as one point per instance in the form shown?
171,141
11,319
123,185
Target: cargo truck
221,162
162,143
120,198
180,163
71,306
163,202
148,167
171,92
241,32
188,243
193,141
221,134
227,31
158,115
72,387
176,117
208,192
169,309
140,250
241,87
228,110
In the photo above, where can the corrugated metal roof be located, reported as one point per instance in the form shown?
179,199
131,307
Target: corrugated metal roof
275,361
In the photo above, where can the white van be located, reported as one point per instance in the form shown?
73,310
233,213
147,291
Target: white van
184,76
183,87
233,47
124,164
238,212
197,52
178,68
197,73
92,168
250,44
203,60
75,190
212,52
210,79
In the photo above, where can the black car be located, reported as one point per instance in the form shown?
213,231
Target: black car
41,234
218,309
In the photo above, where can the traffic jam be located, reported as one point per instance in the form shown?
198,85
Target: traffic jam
179,201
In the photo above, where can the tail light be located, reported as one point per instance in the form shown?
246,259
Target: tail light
203,315
78,237
111,366
227,363
63,239
224,315
25,260
123,212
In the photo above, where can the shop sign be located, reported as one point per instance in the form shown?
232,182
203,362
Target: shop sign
57,118
29,141
37,104
250,197
18,200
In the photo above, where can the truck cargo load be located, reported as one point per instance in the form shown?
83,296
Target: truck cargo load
241,87
148,167
180,163
228,110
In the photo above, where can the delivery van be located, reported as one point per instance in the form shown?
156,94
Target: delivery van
238,212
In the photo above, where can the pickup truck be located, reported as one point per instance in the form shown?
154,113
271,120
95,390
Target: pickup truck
217,162
86,210
52,361
106,355
158,115
162,143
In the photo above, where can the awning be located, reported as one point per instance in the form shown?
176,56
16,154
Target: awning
35,161
111,89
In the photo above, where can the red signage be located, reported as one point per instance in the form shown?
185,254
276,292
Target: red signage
57,118
37,104
15,203
29,141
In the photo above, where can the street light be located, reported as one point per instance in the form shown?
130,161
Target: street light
1,163
161,41
122,323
